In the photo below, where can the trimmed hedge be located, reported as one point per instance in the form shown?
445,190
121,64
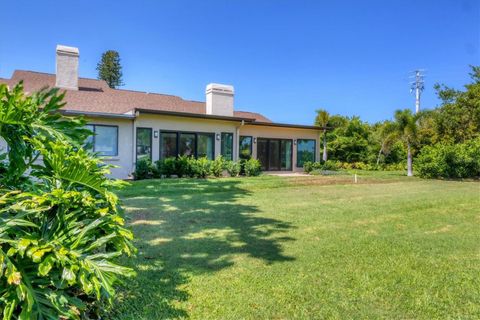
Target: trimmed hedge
194,168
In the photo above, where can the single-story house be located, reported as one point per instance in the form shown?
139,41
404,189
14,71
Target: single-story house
130,125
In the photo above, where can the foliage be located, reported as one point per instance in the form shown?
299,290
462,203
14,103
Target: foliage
233,168
61,229
201,167
109,69
217,166
321,120
328,165
450,160
144,169
167,167
182,166
252,167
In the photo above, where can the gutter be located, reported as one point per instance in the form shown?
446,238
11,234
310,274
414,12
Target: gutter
193,115
286,125
97,114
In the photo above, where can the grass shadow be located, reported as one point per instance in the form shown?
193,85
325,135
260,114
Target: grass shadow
186,227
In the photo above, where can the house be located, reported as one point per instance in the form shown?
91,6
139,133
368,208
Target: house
130,125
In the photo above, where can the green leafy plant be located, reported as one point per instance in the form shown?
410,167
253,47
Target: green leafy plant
61,229
216,167
450,160
252,167
201,167
143,169
233,168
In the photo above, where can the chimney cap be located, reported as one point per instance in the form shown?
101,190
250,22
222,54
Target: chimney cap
67,50
220,88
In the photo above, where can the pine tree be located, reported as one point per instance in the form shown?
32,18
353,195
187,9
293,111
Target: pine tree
110,69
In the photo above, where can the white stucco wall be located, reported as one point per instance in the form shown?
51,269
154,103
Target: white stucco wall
282,133
171,123
125,158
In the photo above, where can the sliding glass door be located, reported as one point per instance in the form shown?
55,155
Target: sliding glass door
274,154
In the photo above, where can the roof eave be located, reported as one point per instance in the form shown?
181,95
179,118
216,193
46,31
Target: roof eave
98,114
194,115
286,125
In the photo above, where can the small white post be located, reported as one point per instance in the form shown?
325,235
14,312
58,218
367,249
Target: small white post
355,178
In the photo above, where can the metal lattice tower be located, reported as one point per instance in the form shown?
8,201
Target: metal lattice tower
417,86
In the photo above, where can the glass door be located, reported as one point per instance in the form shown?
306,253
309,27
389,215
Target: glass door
262,153
275,154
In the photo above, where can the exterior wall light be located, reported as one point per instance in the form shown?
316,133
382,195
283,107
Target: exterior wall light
217,136
295,141
255,140
155,134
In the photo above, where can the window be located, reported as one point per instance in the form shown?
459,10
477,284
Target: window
105,139
168,145
173,144
144,143
245,147
205,145
227,145
187,144
305,151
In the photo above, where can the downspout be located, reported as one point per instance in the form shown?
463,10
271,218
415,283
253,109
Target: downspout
237,141
134,142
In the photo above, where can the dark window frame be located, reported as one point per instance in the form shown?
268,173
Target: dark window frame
221,143
178,133
251,145
94,137
314,151
280,152
136,142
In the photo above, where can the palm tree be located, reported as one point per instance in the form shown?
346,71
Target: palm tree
385,134
407,129
322,120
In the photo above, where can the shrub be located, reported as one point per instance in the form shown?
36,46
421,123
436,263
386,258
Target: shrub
167,167
142,169
308,166
233,168
61,229
201,167
252,167
450,160
183,167
216,167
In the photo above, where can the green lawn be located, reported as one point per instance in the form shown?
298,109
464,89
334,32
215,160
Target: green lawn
388,247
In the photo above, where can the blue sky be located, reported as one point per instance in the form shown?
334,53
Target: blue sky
285,58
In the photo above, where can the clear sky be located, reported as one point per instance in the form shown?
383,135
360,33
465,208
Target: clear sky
284,58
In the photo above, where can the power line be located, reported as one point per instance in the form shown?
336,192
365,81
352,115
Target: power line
417,86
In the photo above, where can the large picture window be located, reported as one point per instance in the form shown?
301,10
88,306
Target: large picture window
144,143
104,140
305,151
245,147
227,145
173,144
168,145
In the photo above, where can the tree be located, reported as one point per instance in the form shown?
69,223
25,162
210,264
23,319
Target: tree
61,228
322,121
110,69
407,128
385,135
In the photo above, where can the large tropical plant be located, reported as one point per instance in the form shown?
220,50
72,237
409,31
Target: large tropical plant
407,128
322,120
61,229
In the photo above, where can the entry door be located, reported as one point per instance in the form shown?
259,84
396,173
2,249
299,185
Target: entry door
274,154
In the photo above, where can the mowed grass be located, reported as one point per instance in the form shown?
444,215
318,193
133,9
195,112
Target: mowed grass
388,247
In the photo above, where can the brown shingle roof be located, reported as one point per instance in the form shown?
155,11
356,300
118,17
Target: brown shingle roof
95,96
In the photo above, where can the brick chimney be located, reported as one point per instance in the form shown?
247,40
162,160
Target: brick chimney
67,67
219,99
